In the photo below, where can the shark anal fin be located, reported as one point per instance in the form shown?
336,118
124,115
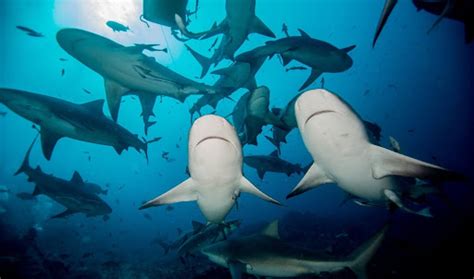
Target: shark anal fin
48,141
385,163
314,177
114,92
63,214
259,27
76,178
236,268
315,73
248,187
184,192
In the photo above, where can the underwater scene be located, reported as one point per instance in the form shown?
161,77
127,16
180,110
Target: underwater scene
236,139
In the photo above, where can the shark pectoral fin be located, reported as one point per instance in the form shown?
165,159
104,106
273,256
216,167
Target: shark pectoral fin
387,10
285,59
114,92
261,173
182,193
447,9
259,27
271,230
48,141
76,178
95,106
362,255
63,214
248,187
394,198
314,177
315,73
236,268
148,102
386,162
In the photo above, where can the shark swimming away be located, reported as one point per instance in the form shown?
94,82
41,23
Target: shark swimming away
236,27
272,163
264,254
337,140
215,166
58,118
320,56
126,70
72,194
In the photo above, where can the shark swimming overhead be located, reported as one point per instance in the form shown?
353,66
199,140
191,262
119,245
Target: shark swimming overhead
337,140
238,24
58,118
72,194
215,167
272,163
264,254
320,56
126,70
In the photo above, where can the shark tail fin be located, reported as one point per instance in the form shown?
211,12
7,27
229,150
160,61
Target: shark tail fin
202,60
26,161
362,256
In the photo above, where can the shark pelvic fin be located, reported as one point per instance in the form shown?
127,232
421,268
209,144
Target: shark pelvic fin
63,214
248,187
312,179
385,163
48,141
184,192
271,230
315,73
259,27
76,178
114,92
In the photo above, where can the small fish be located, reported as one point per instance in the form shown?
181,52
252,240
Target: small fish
29,31
117,27
147,216
177,146
411,130
121,187
3,113
284,29
394,144
296,68
86,91
62,59
164,155
169,208
213,44
4,190
366,92
63,72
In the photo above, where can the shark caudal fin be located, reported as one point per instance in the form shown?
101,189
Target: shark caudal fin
248,187
362,255
25,165
202,60
185,191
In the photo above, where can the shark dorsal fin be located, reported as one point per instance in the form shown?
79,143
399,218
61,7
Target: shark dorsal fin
274,153
76,178
197,226
303,34
271,230
94,106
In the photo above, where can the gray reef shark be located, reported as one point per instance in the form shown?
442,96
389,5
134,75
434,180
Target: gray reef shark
126,70
320,56
251,113
58,118
210,234
215,166
238,24
72,194
272,163
264,254
337,140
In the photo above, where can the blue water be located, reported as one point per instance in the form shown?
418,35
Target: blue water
416,86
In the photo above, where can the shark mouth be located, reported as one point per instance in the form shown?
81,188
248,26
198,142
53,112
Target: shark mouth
212,137
318,113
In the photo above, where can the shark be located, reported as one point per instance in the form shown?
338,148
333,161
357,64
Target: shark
72,194
197,227
59,118
335,137
210,234
265,254
272,163
126,70
215,166
320,56
236,27
251,113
